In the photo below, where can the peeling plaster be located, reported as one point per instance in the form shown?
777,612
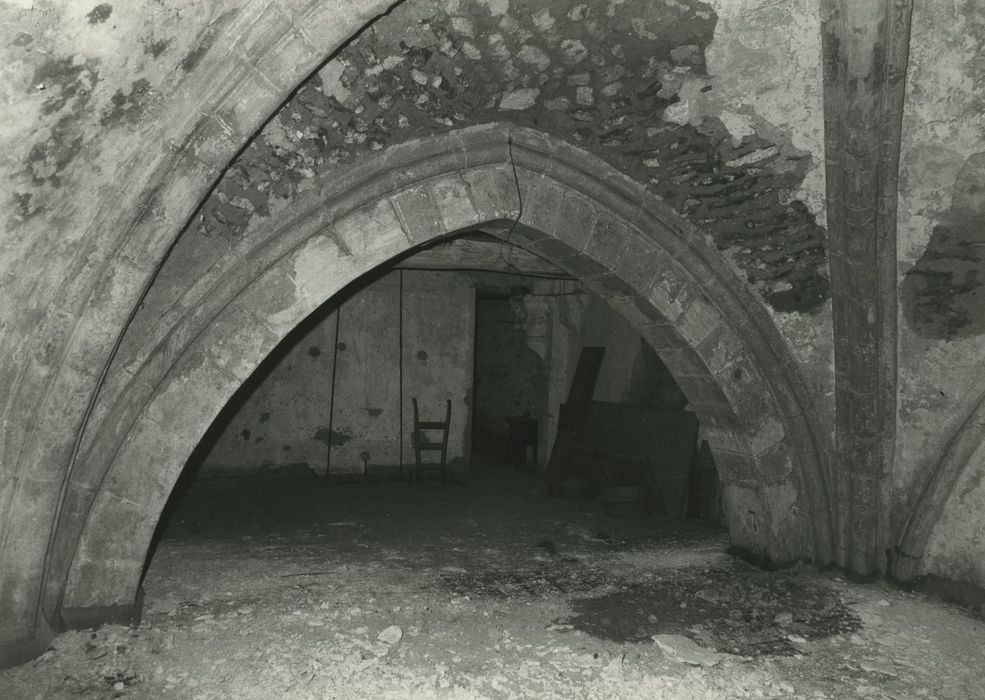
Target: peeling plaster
943,124
943,294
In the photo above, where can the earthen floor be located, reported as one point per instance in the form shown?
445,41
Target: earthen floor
299,588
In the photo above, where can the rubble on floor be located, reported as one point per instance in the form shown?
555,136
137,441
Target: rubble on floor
491,590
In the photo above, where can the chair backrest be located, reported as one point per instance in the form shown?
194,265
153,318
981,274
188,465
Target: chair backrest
417,415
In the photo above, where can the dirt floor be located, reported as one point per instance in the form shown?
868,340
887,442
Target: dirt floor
301,588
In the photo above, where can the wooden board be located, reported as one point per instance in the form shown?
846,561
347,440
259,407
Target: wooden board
572,412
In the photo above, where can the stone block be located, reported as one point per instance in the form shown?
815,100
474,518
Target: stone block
541,197
582,266
741,377
610,286
672,290
185,404
451,195
213,142
371,234
638,311
681,360
609,238
418,213
273,297
527,236
699,319
641,261
494,192
701,390
19,581
168,211
57,419
113,425
412,162
27,524
326,26
575,220
266,37
237,342
752,402
721,349
486,144
719,414
320,268
775,461
149,462
114,295
555,250
767,435
533,151
724,439
665,226
250,99
748,516
106,569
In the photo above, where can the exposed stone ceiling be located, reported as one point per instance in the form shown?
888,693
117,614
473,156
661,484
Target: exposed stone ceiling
609,77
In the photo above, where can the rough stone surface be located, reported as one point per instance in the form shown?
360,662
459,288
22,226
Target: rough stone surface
121,116
739,184
80,194
679,648
943,293
941,334
956,549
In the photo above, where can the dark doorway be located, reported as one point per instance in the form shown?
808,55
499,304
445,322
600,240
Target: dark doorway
510,377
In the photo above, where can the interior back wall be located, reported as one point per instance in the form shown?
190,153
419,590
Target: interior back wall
336,385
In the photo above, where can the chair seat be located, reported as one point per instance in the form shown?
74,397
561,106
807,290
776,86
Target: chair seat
430,445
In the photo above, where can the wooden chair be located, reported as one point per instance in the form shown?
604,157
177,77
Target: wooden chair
437,441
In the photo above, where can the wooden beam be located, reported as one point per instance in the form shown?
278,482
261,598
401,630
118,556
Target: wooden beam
865,46
481,253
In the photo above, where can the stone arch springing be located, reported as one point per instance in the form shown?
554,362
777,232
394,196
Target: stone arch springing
916,530
62,332
669,282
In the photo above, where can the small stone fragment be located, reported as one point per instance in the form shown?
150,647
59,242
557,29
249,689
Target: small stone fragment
543,20
682,649
783,619
463,25
523,98
498,7
573,51
391,635
612,89
534,56
687,55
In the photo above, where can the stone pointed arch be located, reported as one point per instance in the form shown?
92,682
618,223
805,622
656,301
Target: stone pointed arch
538,192
99,249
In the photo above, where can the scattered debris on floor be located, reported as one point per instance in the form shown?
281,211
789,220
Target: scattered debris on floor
493,590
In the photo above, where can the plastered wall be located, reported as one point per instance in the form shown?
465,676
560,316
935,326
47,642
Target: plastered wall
329,398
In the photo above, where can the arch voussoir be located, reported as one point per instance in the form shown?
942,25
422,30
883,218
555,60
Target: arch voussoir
494,192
